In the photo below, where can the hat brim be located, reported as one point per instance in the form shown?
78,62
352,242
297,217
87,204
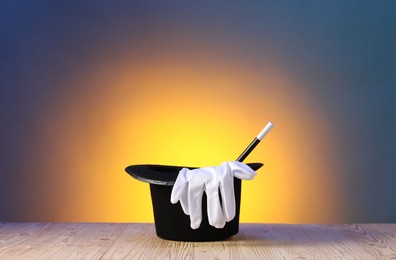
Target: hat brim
164,174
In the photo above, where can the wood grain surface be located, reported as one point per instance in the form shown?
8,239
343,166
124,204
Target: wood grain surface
138,241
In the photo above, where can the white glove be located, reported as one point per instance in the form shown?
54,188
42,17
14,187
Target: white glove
190,185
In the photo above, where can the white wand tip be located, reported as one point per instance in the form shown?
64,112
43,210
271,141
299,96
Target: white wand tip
265,130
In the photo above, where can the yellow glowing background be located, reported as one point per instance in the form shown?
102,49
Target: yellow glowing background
91,87
200,110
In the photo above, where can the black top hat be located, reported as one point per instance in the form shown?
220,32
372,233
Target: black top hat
170,221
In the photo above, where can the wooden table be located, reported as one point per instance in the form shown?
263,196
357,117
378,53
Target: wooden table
138,241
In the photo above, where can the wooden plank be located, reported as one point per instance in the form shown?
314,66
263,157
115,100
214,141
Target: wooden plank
378,241
264,242
64,240
12,234
138,241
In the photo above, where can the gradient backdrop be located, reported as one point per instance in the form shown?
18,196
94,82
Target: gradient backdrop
90,87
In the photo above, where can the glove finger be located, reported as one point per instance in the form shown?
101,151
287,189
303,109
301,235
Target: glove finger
242,171
180,186
228,196
195,192
215,212
184,201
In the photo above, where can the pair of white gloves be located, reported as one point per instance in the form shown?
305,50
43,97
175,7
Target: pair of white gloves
191,184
